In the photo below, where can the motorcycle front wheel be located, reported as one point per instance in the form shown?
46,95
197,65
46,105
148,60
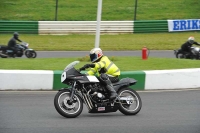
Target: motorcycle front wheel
180,56
2,55
64,107
130,101
30,54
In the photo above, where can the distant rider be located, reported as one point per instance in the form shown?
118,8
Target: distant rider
12,44
108,71
186,47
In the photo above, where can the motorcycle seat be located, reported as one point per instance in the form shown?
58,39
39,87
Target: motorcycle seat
125,81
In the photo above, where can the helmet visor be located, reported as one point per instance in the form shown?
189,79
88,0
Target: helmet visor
93,57
191,41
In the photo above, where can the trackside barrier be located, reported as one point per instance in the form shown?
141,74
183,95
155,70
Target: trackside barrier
84,27
30,27
172,79
138,75
147,80
49,80
107,27
150,26
26,80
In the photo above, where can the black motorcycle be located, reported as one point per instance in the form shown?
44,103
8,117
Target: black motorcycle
90,91
186,55
22,49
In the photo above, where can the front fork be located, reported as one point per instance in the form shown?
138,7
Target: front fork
72,93
85,97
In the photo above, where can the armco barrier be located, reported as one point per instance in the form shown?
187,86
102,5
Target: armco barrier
147,80
83,27
150,26
106,27
20,26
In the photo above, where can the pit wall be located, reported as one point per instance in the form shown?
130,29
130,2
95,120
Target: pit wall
146,80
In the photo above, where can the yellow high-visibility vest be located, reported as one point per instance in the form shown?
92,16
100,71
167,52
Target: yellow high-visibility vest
110,68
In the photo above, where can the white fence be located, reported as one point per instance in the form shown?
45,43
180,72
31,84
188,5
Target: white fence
85,27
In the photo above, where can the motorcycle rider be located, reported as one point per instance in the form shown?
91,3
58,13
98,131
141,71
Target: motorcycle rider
108,71
12,42
186,47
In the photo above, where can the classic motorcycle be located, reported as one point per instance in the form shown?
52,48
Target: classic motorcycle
186,55
22,50
89,90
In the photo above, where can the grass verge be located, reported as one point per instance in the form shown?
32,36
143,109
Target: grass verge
86,10
124,63
156,41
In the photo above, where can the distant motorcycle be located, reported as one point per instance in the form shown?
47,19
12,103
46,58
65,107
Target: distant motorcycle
92,92
22,50
186,55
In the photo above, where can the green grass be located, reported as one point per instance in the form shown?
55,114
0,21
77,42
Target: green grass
156,41
124,63
86,10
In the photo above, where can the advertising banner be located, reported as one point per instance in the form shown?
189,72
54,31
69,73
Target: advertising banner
184,25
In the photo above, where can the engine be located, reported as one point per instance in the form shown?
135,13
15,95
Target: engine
98,92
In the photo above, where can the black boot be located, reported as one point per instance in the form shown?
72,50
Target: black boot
113,93
104,78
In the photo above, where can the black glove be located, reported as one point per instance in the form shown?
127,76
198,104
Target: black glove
89,65
82,68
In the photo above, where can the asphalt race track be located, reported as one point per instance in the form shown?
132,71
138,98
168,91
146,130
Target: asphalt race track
173,111
162,112
61,54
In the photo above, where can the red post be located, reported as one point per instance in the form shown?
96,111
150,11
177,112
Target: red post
144,53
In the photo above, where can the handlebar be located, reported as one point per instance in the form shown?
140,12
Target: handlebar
82,68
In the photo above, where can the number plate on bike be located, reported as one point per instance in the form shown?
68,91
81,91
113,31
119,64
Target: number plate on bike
101,108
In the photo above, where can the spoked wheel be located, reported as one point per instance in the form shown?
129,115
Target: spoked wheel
30,54
130,101
66,108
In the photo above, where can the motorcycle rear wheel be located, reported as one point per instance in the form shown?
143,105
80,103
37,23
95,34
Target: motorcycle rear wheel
132,106
64,108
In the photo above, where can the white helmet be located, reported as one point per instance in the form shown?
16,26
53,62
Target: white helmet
95,54
191,40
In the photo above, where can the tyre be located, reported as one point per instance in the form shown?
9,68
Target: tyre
196,56
66,109
130,101
180,56
3,55
175,52
30,54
